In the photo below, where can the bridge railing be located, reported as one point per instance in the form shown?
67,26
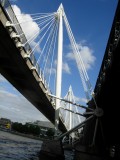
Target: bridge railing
13,19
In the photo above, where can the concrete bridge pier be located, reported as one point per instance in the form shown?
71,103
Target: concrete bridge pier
52,150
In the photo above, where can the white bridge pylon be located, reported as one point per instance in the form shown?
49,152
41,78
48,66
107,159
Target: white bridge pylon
59,65
83,73
68,110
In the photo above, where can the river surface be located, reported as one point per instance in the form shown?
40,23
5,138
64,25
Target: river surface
15,147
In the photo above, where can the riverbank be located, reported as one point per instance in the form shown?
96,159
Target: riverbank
22,134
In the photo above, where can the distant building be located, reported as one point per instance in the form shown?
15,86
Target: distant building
5,123
44,125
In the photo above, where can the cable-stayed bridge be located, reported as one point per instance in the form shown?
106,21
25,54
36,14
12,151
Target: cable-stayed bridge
29,73
16,51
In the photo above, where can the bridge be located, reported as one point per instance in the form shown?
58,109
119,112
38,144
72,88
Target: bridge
24,78
19,66
102,112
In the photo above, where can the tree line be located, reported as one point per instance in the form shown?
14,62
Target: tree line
31,129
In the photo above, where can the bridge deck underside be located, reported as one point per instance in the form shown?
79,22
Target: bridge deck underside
108,96
109,100
14,68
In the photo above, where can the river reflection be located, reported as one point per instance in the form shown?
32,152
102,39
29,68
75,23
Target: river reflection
15,147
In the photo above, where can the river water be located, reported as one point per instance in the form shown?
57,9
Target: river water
15,147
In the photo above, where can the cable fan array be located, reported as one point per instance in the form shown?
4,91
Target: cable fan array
44,41
40,46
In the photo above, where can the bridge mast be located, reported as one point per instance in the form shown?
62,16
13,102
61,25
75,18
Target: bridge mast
59,65
70,107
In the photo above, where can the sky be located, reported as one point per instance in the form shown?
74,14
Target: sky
91,22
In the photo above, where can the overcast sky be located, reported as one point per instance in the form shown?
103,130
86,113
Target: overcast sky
90,21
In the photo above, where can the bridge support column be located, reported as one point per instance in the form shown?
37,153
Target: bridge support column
52,150
59,66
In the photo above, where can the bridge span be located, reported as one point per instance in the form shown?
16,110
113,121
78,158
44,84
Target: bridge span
100,133
18,69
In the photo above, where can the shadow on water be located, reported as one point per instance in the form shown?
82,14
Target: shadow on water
69,155
15,147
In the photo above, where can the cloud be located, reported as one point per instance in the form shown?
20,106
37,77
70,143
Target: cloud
86,54
70,56
14,106
66,68
29,27
37,47
80,100
52,71
2,79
